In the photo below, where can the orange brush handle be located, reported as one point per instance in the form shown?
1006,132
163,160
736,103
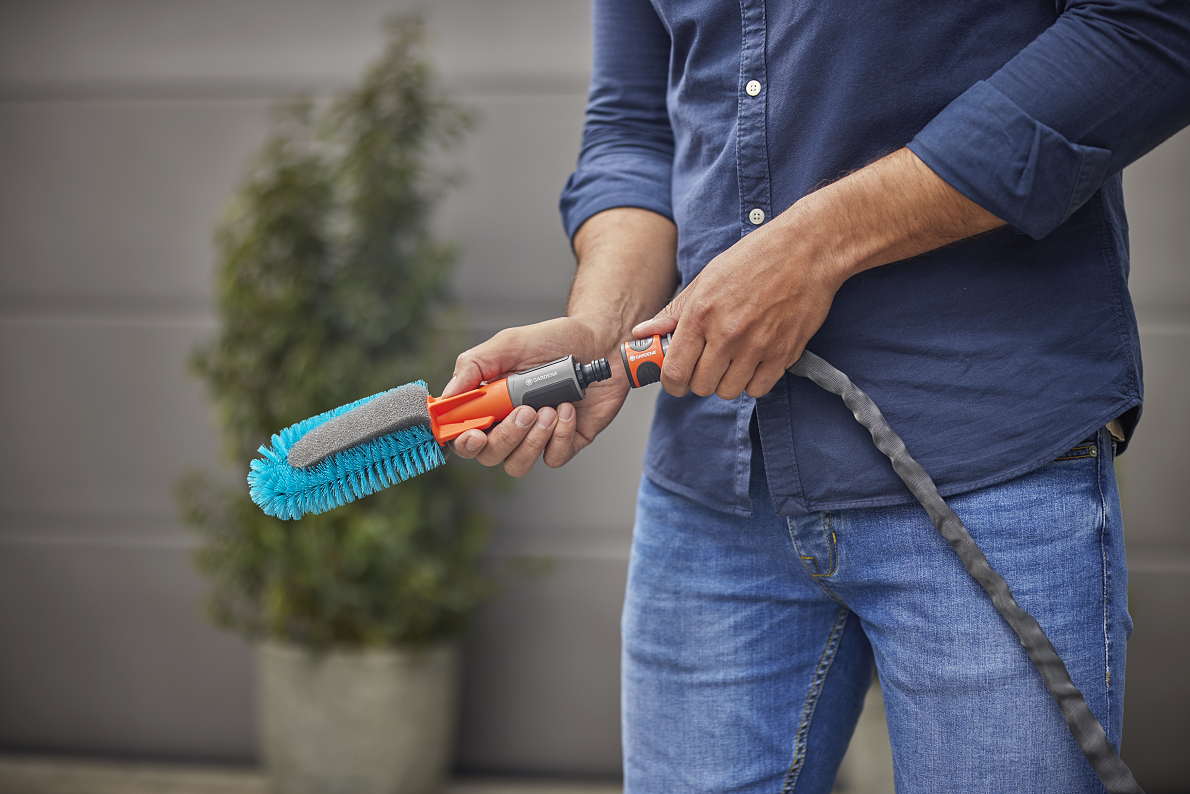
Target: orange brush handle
477,409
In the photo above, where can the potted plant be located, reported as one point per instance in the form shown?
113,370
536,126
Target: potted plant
331,287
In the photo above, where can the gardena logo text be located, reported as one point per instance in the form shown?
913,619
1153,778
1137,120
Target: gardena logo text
643,355
531,381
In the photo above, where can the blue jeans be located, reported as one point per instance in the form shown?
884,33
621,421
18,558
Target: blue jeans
749,642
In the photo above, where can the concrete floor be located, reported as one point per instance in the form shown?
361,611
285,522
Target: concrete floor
33,775
867,769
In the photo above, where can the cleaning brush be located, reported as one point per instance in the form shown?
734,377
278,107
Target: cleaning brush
357,449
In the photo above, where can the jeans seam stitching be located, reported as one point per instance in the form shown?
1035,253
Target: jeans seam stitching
826,589
824,664
828,528
806,560
1106,591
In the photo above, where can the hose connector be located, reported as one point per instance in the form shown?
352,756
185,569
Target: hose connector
643,359
594,372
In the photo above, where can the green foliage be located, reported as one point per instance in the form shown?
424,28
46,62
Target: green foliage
331,288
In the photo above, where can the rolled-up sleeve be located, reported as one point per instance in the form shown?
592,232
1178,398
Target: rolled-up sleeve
626,158
1106,83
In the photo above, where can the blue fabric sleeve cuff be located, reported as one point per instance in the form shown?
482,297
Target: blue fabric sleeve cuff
616,180
1022,171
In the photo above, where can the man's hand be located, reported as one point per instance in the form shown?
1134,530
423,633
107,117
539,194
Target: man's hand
525,435
750,312
745,318
626,271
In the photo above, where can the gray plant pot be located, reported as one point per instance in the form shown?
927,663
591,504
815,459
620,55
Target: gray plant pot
356,722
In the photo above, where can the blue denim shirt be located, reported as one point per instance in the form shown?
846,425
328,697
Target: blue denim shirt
990,356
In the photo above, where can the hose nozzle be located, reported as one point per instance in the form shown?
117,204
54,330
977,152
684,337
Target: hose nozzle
643,358
594,372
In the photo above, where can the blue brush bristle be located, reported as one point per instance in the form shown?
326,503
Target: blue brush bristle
286,492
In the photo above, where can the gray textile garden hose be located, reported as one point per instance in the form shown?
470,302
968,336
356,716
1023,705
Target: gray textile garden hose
1091,738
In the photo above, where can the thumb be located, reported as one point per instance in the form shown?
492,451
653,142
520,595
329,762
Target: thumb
474,366
663,323
467,376
508,351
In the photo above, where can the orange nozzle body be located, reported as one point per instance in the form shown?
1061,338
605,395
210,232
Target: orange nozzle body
477,409
643,359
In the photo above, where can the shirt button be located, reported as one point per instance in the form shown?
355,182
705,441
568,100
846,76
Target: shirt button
753,87
756,216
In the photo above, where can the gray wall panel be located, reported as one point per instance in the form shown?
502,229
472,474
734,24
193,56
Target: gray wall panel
99,418
542,678
1157,194
515,251
1156,733
1155,471
117,200
117,42
103,652
106,46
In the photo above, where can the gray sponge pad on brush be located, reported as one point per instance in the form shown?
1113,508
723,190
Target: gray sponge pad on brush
396,409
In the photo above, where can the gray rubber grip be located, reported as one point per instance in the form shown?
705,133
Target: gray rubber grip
396,409
550,384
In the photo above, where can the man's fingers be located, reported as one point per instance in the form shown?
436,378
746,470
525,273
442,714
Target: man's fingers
502,353
733,382
470,444
765,377
681,360
560,449
504,437
663,323
520,461
519,440
467,376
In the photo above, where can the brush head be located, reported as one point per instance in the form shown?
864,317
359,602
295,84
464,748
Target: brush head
396,409
352,451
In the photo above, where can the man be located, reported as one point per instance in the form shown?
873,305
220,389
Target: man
927,196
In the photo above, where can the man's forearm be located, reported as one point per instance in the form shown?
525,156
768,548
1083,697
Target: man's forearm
750,312
891,210
627,270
